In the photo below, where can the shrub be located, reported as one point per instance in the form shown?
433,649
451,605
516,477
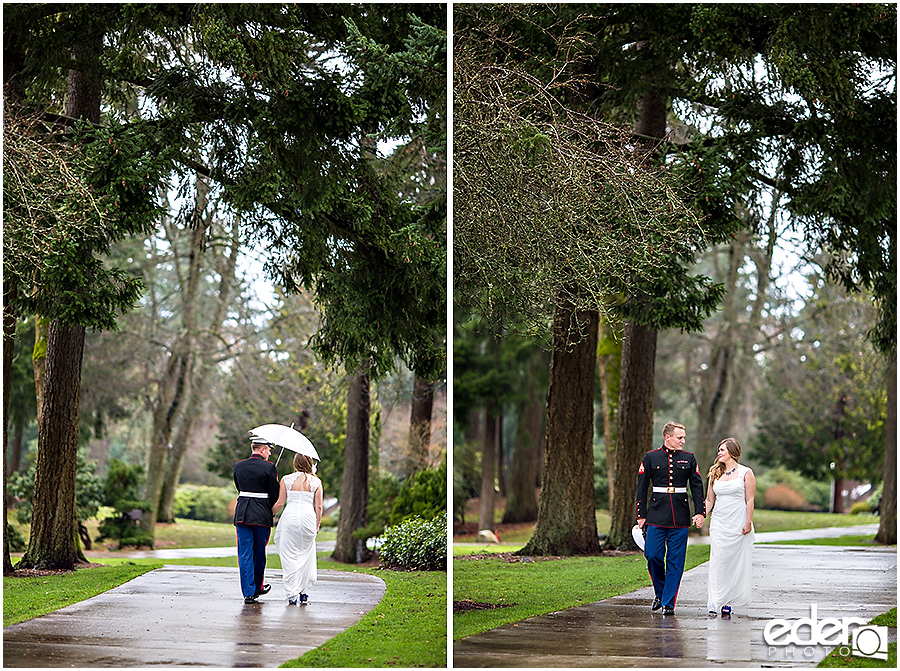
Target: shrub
416,544
17,541
817,494
121,490
88,490
782,497
202,502
423,495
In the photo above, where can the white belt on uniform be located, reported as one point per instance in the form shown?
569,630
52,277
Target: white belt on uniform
254,495
670,490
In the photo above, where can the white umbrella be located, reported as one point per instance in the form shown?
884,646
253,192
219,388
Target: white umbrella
286,437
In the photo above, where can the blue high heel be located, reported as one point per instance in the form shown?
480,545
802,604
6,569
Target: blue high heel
726,611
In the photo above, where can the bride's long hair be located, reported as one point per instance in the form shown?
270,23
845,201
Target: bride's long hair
303,463
718,468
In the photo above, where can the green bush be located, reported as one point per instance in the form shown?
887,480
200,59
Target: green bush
416,544
121,488
201,502
17,541
88,490
423,495
817,494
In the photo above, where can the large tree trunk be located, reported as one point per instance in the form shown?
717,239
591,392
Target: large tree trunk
887,525
169,403
635,429
419,426
53,528
52,542
177,454
355,485
566,523
488,462
9,332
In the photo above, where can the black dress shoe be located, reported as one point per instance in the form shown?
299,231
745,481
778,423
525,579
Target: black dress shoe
250,599
669,610
657,603
263,590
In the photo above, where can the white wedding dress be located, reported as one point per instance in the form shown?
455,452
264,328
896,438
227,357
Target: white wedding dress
729,549
295,537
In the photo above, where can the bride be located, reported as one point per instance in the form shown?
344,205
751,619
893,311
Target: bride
295,535
730,500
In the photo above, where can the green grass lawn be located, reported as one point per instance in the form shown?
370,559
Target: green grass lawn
408,627
25,598
544,586
783,520
836,660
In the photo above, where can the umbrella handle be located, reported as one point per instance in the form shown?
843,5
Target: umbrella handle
279,456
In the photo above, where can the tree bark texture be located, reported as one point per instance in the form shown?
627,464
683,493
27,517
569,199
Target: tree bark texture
169,402
566,523
634,430
488,462
420,426
52,542
887,524
355,485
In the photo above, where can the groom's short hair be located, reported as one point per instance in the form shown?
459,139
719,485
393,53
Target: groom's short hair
669,429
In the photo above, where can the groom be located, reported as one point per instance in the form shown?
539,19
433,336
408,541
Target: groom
669,470
257,482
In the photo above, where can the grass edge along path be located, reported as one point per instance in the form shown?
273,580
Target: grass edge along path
835,660
520,589
28,597
408,627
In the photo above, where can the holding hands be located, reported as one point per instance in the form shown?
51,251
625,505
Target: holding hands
698,521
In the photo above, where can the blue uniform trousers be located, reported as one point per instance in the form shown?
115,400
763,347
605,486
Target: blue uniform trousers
251,549
665,549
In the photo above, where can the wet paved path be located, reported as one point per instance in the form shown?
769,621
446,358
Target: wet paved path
622,631
191,616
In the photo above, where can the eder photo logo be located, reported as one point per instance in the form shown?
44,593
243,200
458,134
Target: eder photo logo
851,635
871,641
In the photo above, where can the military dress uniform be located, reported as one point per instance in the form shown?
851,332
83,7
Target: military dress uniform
667,475
257,482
